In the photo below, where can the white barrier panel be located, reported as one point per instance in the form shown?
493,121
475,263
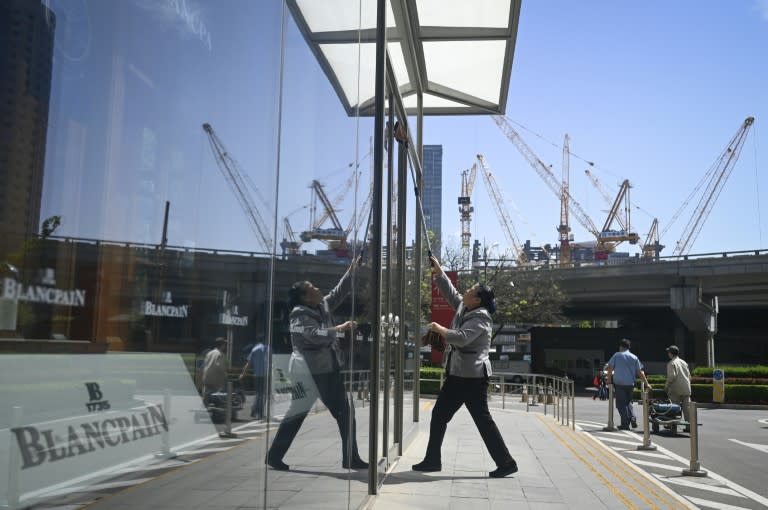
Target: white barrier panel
78,418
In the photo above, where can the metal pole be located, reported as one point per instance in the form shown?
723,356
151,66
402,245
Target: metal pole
546,391
610,427
646,429
378,185
503,384
573,404
535,393
695,467
441,379
165,436
527,398
566,401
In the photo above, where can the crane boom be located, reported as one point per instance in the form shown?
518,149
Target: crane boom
723,167
545,173
235,178
651,247
506,222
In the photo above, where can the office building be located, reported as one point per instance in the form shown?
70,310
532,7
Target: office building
433,193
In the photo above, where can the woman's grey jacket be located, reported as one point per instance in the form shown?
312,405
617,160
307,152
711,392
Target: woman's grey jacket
313,335
469,339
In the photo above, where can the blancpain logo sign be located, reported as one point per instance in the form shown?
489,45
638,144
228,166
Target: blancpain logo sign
231,318
166,309
40,294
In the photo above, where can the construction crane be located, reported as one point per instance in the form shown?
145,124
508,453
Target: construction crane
609,238
465,209
496,197
236,179
651,247
608,199
564,229
290,244
335,236
718,175
545,173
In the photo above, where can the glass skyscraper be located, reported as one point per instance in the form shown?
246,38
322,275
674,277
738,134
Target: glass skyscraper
433,193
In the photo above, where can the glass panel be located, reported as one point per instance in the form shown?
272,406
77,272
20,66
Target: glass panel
320,364
478,13
338,15
344,59
471,67
431,101
131,234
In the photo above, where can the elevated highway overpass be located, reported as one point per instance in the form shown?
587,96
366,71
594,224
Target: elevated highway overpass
677,294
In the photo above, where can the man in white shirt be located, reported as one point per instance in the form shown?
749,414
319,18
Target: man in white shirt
678,385
215,368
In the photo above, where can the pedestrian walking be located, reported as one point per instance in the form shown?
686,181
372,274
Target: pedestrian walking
257,362
623,370
215,367
468,368
678,384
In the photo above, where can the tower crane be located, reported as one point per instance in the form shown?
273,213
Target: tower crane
608,238
334,236
545,173
465,208
509,230
718,175
236,180
289,243
620,218
651,247
564,229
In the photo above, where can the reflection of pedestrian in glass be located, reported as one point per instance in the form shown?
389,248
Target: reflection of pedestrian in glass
623,368
215,368
678,385
468,369
315,369
257,361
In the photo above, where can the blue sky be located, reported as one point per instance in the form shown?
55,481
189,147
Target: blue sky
650,92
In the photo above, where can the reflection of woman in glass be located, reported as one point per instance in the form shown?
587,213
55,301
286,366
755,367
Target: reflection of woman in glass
315,369
468,369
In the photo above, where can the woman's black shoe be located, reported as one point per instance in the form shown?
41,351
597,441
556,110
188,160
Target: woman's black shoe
427,466
279,465
504,470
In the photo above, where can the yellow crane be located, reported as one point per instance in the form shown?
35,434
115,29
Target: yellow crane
718,174
564,229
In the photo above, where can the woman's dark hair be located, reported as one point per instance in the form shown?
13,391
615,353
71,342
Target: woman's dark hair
487,298
296,294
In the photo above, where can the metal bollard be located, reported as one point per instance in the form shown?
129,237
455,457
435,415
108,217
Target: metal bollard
527,399
165,437
695,467
573,405
646,429
567,402
562,401
228,420
535,394
610,427
503,393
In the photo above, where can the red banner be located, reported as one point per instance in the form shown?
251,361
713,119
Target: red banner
442,313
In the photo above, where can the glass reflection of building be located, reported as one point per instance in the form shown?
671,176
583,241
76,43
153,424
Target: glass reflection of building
26,59
433,192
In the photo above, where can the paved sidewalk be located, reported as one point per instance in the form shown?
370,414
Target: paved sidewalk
559,469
